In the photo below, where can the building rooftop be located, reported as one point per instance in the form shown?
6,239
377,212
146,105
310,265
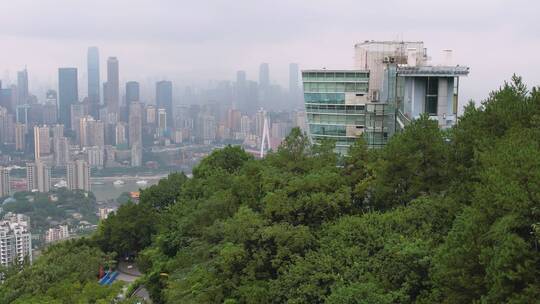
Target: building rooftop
323,70
422,71
388,42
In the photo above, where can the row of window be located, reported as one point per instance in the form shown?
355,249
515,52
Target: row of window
334,98
342,141
338,109
335,76
337,87
356,120
330,130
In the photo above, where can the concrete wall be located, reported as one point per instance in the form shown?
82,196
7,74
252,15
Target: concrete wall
442,101
414,97
352,99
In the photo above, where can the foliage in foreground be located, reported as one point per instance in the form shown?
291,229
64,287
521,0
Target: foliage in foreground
66,273
434,217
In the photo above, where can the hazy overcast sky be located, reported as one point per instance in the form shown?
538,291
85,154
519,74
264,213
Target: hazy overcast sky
194,41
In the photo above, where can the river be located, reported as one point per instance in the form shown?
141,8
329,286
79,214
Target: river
108,190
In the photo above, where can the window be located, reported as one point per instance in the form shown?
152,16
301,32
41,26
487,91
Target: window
432,90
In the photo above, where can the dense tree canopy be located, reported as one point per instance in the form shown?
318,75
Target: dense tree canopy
436,216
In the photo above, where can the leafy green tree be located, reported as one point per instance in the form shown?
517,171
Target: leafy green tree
165,193
230,159
128,230
65,273
412,164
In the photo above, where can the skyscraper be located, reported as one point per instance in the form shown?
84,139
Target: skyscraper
132,92
78,175
42,142
4,182
112,94
164,99
264,76
93,81
20,136
68,94
294,89
8,98
240,99
135,123
22,87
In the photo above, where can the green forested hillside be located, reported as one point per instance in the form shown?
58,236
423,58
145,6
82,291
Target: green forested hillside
434,217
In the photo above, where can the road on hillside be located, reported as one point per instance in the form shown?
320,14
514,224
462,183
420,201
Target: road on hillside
128,272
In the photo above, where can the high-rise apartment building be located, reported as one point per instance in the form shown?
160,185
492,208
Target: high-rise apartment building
61,151
121,134
95,156
42,142
164,99
15,240
78,175
77,111
135,123
151,115
38,177
4,182
112,92
206,127
20,136
391,84
161,121
92,132
7,126
61,232
94,95
68,94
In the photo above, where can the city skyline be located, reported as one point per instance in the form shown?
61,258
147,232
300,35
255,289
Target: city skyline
169,48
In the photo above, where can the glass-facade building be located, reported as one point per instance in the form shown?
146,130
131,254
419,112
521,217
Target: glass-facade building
337,108
68,94
391,85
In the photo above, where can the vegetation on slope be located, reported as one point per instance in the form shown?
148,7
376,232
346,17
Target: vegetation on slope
434,217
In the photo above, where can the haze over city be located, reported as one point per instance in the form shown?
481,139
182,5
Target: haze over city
194,42
256,151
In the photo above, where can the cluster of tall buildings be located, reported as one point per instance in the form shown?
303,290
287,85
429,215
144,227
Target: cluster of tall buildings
15,239
112,125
